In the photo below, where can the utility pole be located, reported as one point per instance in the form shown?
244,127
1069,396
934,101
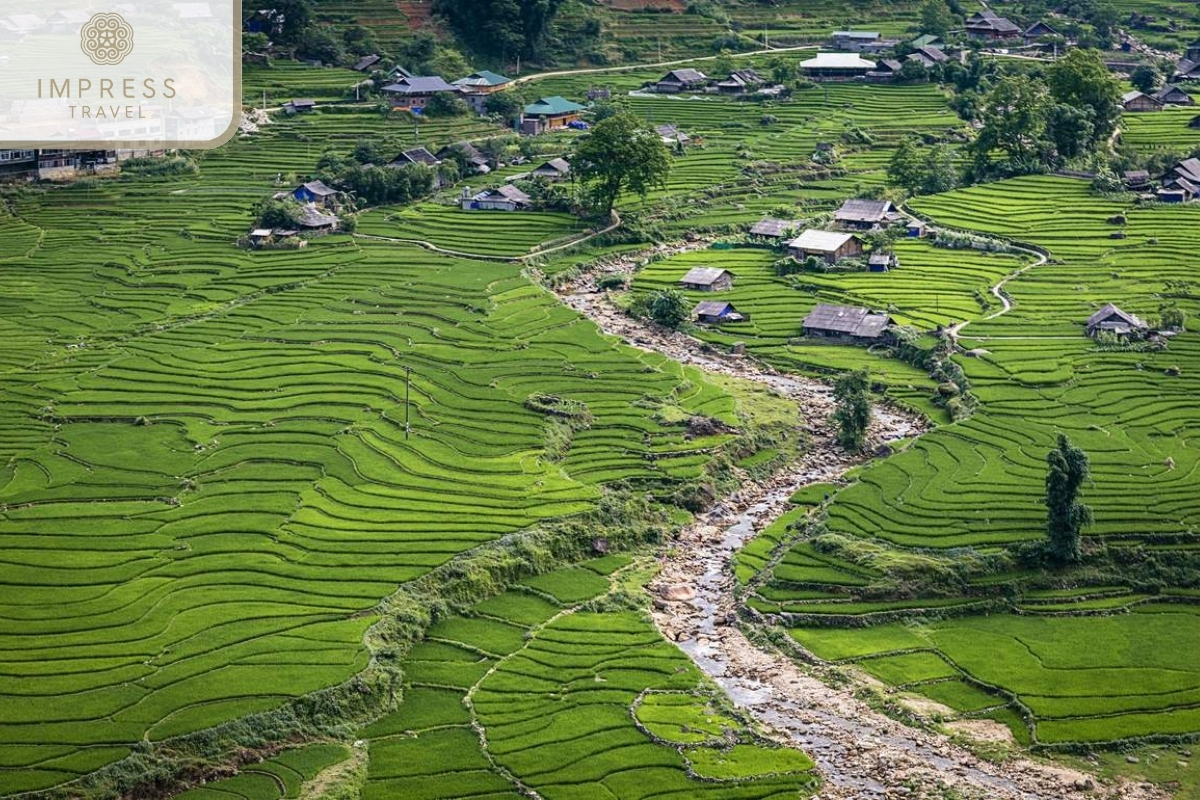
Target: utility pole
407,394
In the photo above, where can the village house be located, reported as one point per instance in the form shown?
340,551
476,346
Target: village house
671,135
599,93
318,193
987,24
414,93
714,312
847,323
417,155
476,162
886,70
550,114
477,86
928,56
1111,319
1172,95
863,214
1038,30
829,246
926,38
260,236
502,198
774,229
836,67
860,42
1182,182
916,229
1188,67
1136,101
314,221
707,279
882,262
553,170
1137,180
366,62
741,81
299,106
681,80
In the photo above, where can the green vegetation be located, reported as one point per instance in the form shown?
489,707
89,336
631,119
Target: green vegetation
579,702
620,155
1067,469
852,391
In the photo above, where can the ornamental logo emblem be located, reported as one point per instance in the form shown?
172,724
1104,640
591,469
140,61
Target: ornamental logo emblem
106,39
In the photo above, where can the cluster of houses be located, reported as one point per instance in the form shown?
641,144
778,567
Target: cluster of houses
739,83
1180,184
828,321
1169,95
408,92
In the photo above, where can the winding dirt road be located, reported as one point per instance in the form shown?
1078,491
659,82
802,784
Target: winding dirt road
861,753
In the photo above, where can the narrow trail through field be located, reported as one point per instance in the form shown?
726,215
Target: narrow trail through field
861,753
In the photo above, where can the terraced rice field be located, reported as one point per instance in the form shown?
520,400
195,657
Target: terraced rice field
1075,673
568,700
278,778
207,487
1169,129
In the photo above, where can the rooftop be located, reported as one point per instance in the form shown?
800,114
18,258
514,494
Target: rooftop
850,320
552,106
420,84
859,210
483,78
837,61
704,276
820,241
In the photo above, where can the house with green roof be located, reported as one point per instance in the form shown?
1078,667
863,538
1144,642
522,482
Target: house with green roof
478,85
549,114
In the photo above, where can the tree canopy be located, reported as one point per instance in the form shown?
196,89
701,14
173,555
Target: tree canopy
619,154
1081,80
504,28
1067,469
852,391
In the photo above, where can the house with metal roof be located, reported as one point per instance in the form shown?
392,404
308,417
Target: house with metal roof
846,323
987,24
552,170
863,214
1173,95
550,113
366,62
477,86
1114,320
468,155
502,198
671,135
714,312
415,92
707,279
836,66
417,155
316,192
771,228
829,246
1137,101
1183,180
681,80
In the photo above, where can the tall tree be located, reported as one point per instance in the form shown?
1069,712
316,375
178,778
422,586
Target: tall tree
1145,78
852,391
1014,115
1081,79
1067,469
620,155
668,307
937,18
